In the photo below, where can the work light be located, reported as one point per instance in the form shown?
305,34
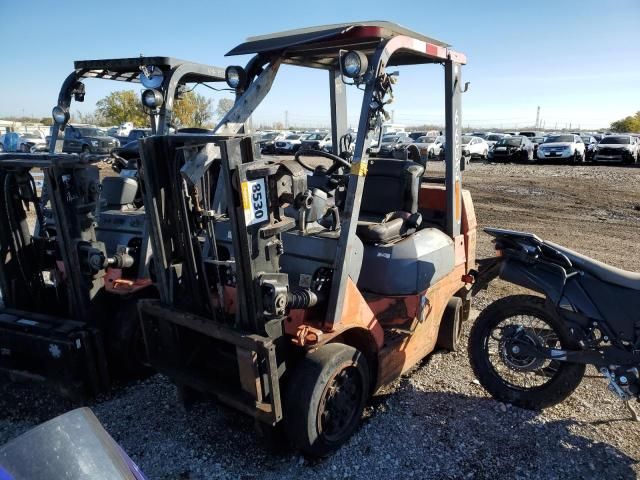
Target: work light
354,64
235,76
152,98
60,115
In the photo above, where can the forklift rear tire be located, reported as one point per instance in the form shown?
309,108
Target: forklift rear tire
125,343
451,326
325,398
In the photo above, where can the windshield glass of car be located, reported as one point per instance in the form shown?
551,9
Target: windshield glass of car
30,136
466,140
316,136
390,138
615,140
426,140
269,136
494,138
509,141
92,132
586,139
537,139
559,138
293,137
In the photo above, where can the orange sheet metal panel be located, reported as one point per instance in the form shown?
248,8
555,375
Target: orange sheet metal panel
403,350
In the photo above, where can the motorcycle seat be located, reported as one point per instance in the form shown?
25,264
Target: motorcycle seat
604,272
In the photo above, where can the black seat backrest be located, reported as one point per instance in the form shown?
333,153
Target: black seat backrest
390,186
119,191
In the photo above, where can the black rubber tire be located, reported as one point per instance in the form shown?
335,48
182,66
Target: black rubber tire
306,389
450,332
125,346
567,378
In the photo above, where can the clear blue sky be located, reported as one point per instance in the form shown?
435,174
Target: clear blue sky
579,61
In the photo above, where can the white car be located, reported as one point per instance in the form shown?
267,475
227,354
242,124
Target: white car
289,144
429,147
474,147
31,141
317,141
621,148
562,147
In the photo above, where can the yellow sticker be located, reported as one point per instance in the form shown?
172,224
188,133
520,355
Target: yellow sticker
359,168
246,200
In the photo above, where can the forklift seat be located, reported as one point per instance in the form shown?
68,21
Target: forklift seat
119,191
389,208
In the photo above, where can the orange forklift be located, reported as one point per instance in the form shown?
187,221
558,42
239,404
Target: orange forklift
293,289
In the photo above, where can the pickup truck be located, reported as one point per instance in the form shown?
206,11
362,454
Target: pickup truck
134,135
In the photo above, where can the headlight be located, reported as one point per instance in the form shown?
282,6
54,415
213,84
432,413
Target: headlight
152,98
60,115
95,143
235,76
354,64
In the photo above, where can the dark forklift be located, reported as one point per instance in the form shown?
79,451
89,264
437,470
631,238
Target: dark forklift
74,258
292,290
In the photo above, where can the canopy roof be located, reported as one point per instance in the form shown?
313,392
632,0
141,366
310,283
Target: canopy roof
320,46
128,69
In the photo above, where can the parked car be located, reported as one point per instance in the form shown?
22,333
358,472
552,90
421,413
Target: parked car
531,134
267,142
617,148
290,144
134,135
87,139
589,146
474,147
536,141
562,147
30,140
317,141
512,149
492,138
391,142
482,135
429,147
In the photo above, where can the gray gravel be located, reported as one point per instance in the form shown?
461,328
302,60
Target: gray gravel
436,422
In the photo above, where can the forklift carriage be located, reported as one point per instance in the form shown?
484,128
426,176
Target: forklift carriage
292,290
73,268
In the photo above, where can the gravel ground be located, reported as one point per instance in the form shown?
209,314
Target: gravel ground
436,422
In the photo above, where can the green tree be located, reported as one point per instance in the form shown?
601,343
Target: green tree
90,118
193,110
224,105
122,106
627,124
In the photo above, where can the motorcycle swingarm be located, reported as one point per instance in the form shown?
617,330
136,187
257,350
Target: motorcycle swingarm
603,357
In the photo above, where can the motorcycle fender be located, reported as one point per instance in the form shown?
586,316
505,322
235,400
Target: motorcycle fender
542,278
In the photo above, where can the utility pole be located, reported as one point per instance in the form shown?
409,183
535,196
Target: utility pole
538,118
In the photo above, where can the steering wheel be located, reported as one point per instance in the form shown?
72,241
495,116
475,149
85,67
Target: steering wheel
337,160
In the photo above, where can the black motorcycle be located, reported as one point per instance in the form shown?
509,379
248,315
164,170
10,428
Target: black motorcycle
532,351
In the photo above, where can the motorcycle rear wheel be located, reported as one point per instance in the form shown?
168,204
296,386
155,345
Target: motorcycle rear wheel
525,381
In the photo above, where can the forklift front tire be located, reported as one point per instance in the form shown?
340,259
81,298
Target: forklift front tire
451,326
325,398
